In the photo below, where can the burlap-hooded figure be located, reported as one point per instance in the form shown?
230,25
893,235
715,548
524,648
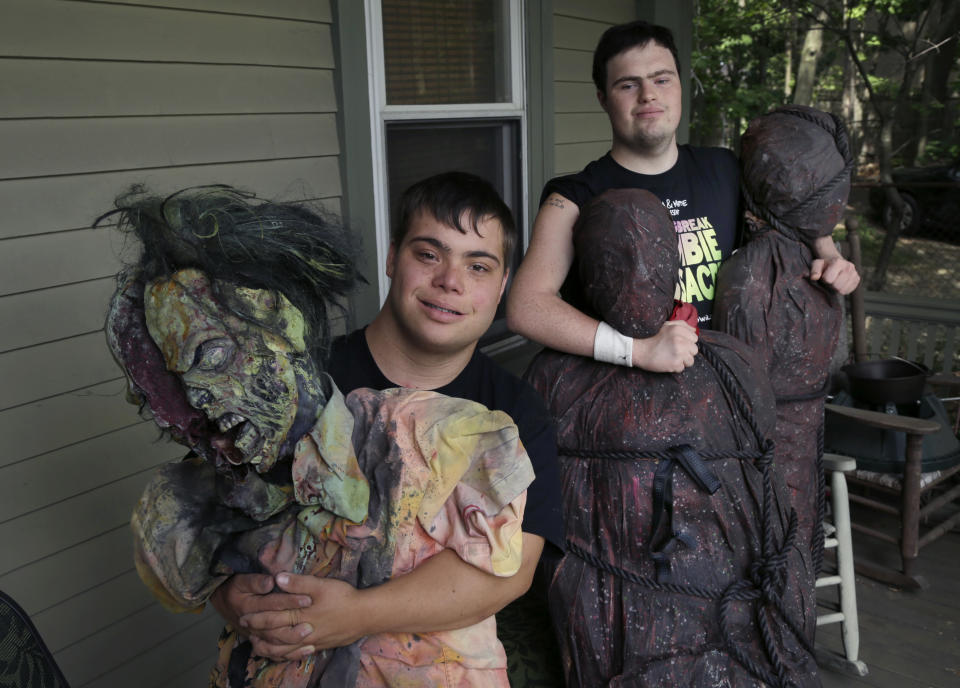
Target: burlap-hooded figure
796,179
681,568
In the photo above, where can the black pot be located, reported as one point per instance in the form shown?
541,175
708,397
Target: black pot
886,380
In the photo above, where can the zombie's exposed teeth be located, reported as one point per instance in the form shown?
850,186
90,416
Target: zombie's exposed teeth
247,439
198,398
229,420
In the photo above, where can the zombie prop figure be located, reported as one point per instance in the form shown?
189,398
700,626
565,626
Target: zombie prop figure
796,179
221,329
681,567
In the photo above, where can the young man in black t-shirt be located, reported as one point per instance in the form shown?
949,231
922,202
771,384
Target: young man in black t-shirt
637,75
700,192
352,365
448,263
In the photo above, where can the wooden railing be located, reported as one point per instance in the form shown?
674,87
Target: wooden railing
919,329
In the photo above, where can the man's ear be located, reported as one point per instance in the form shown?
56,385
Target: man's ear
391,256
503,283
602,97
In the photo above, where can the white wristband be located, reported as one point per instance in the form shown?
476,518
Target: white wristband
609,346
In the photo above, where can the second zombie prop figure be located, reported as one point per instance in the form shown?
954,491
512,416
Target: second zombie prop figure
221,329
796,178
682,568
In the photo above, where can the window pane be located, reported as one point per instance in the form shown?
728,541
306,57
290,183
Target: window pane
486,148
445,51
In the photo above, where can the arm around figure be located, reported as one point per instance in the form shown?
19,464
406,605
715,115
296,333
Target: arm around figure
308,614
536,310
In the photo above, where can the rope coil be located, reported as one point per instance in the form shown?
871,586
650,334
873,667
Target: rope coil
839,135
765,580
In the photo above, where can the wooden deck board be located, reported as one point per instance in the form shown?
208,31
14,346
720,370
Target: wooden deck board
908,639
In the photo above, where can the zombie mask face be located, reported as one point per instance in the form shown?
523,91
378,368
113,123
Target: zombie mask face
149,384
241,357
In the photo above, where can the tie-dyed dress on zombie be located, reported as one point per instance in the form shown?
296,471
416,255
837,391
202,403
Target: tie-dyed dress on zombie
682,568
796,179
291,476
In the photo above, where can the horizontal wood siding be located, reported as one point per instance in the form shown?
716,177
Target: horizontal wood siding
606,11
581,128
43,148
101,31
31,205
35,88
97,96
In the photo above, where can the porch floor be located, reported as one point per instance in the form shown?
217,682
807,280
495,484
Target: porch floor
908,639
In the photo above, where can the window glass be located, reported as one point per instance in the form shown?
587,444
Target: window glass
486,148
445,51
448,94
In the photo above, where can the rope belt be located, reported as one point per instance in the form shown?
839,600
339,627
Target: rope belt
666,540
764,584
765,580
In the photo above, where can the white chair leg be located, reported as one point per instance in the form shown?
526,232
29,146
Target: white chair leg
848,591
838,535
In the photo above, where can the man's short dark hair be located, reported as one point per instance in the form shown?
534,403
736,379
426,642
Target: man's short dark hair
617,39
447,196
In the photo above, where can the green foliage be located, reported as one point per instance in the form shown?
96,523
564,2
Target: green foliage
738,53
882,85
830,80
939,151
740,61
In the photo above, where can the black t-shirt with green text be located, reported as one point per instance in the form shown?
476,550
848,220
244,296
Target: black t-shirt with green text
702,194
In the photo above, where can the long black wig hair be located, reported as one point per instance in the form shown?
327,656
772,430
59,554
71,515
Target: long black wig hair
232,236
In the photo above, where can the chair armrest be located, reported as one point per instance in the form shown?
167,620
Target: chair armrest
839,462
949,380
886,421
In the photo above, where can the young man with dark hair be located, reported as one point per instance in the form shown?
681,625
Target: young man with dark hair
447,197
448,264
637,75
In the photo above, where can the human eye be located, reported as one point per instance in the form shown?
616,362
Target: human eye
212,354
480,268
426,254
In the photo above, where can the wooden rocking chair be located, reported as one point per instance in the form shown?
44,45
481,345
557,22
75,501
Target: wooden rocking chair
926,505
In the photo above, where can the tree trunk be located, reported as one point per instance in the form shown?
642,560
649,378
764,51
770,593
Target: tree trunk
887,117
809,55
852,110
879,278
941,63
924,113
788,53
935,63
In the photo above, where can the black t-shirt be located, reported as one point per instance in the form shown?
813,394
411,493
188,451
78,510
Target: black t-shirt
701,192
483,381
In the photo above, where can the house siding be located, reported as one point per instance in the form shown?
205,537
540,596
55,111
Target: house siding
97,96
581,128
169,93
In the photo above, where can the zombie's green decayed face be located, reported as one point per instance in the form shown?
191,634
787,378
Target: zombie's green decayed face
241,356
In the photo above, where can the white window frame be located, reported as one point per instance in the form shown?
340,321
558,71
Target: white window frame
382,114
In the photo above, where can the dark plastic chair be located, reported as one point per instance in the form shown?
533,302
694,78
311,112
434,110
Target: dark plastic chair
25,660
